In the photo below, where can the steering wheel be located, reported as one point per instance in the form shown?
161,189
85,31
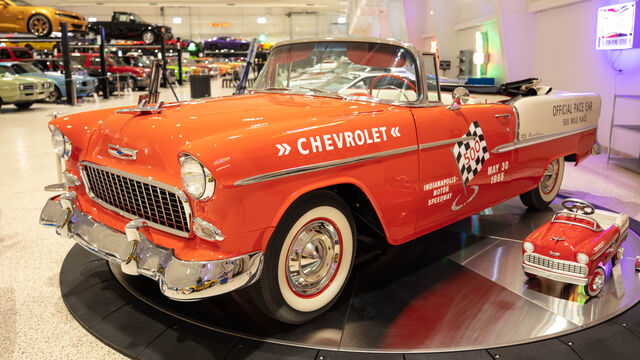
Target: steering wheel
578,206
405,80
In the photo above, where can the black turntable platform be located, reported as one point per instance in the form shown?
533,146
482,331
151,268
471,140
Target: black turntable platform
457,293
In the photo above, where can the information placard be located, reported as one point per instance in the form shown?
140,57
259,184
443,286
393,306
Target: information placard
616,27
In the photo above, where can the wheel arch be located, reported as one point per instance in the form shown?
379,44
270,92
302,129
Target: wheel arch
364,209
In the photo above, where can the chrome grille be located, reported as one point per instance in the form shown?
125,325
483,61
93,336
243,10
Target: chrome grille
28,87
137,197
567,267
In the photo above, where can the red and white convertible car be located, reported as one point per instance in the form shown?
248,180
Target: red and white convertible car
270,190
575,244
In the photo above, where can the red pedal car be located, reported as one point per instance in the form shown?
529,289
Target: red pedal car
575,244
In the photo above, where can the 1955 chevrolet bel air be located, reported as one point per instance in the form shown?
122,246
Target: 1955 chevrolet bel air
268,190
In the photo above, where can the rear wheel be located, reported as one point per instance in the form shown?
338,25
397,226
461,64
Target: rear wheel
596,282
308,259
540,197
39,25
149,37
23,106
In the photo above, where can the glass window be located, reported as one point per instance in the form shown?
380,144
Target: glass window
25,68
5,70
79,59
95,61
21,3
339,69
22,53
4,54
123,17
431,77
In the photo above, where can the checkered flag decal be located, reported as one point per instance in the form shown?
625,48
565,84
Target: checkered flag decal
470,155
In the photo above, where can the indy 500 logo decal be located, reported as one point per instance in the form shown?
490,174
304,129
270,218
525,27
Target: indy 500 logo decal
470,155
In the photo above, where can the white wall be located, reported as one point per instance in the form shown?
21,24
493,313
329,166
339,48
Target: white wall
564,55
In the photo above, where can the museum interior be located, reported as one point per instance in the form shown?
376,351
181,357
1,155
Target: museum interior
320,179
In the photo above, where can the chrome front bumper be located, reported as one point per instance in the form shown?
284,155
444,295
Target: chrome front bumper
178,279
555,276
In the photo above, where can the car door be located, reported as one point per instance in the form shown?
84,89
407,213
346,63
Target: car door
459,175
8,17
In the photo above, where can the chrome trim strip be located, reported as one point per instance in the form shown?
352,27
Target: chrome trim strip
181,196
552,260
179,279
321,166
555,276
446,142
524,143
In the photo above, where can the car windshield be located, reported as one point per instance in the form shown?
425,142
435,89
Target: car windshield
359,69
21,3
22,53
25,68
117,61
138,19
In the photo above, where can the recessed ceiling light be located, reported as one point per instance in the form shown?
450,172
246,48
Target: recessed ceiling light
342,20
92,19
177,20
261,20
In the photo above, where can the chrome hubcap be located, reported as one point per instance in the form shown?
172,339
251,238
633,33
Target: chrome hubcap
549,179
313,258
598,282
147,37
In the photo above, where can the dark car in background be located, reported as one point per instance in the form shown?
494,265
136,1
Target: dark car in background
226,42
129,26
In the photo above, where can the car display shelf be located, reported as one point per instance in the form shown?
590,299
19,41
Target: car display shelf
632,164
456,293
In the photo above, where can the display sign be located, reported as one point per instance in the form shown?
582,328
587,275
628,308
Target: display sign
220,24
616,27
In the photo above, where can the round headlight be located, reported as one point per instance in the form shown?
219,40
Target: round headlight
61,144
582,258
528,246
196,178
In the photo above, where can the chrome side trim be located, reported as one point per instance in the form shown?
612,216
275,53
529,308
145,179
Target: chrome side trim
446,142
321,166
524,143
178,279
181,196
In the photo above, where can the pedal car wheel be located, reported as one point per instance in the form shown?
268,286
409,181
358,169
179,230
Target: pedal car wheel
596,283
308,259
540,197
615,259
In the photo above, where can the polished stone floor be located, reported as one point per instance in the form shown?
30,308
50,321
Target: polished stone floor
35,322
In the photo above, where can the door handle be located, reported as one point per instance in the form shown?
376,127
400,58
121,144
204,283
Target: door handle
506,116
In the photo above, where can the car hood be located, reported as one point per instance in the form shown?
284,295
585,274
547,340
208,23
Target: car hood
564,239
131,69
213,129
24,79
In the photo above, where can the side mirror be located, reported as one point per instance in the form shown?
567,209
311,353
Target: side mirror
460,97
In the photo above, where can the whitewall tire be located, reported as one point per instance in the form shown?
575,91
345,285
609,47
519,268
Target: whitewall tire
548,187
308,259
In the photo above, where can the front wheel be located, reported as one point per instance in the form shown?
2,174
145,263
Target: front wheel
308,259
39,25
149,37
54,96
596,282
540,197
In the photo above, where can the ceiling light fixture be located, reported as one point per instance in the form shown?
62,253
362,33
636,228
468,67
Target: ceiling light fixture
342,20
261,20
177,20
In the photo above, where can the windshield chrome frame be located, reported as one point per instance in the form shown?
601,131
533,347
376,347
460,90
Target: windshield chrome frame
420,69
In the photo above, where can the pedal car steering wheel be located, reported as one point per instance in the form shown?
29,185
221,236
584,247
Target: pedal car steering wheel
578,206
405,80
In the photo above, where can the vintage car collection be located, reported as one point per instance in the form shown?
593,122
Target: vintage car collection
150,188
312,176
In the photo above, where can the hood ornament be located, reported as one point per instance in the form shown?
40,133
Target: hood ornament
142,108
122,153
554,253
558,238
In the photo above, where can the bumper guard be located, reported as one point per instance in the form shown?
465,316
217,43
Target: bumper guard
178,279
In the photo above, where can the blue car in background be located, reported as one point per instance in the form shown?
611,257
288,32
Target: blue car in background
85,85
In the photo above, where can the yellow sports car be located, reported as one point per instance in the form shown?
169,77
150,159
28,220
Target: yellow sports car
19,16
